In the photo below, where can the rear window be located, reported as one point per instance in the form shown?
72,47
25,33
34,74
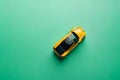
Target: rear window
60,49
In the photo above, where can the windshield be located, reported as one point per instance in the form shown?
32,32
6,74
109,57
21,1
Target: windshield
67,43
74,37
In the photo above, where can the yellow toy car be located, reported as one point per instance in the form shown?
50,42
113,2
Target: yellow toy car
69,42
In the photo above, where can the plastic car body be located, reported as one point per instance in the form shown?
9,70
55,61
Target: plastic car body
63,47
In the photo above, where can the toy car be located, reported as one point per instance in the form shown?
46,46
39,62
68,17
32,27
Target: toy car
63,47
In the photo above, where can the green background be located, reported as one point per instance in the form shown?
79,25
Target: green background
30,28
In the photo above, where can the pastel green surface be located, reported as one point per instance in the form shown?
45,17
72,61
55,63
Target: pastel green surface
30,28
